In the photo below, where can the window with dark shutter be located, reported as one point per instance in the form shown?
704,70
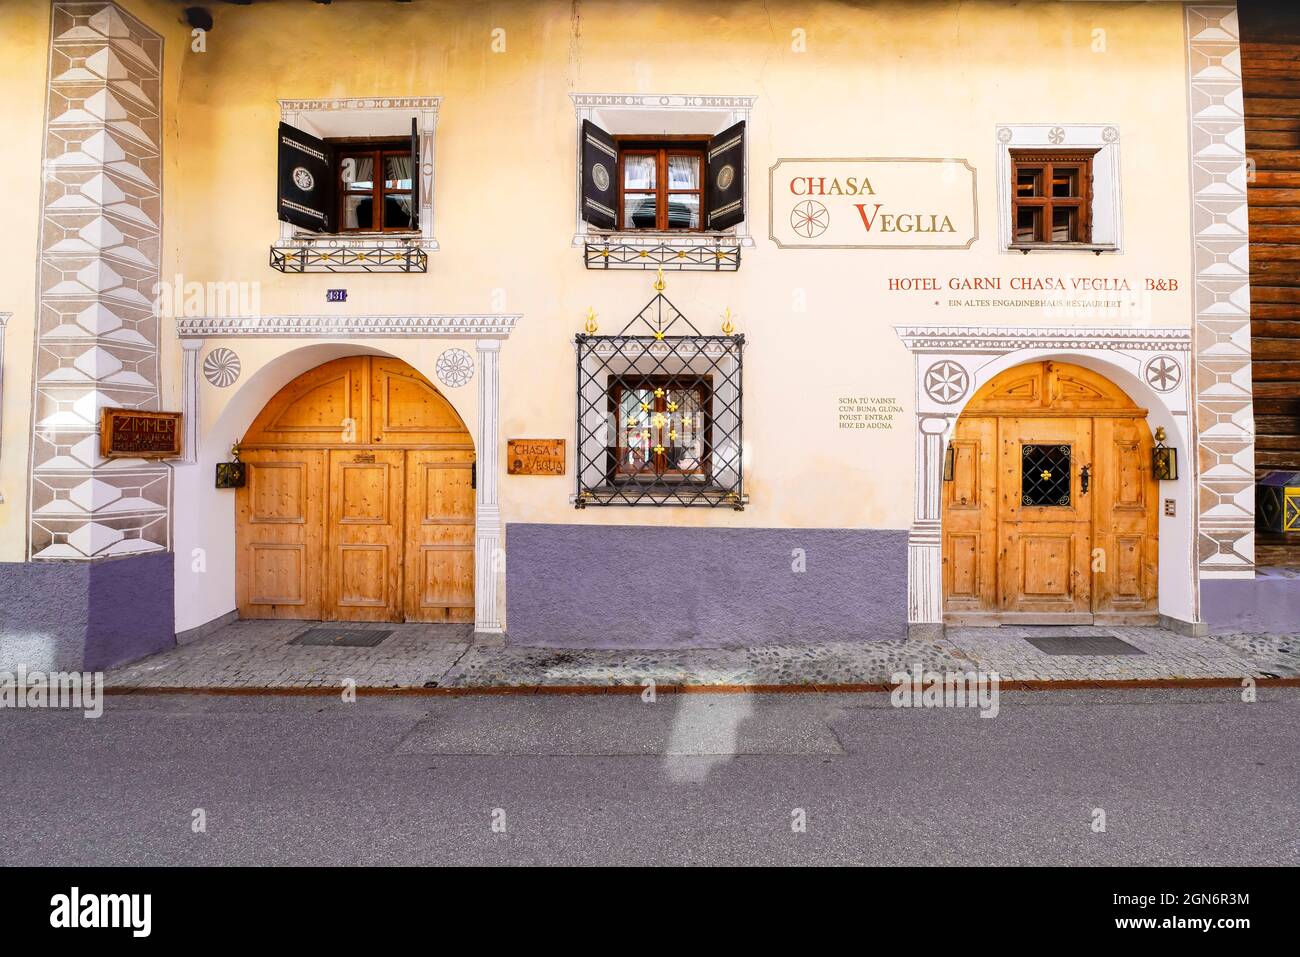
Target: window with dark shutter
307,174
662,183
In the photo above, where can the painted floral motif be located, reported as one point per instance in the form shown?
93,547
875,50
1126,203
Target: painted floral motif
945,382
1163,373
455,367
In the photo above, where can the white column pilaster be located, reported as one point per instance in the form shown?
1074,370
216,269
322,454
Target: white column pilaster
924,551
489,558
190,349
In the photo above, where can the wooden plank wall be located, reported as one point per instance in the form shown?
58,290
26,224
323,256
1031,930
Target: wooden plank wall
1270,60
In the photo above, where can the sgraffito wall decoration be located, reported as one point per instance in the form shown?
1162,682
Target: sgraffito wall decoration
1221,293
96,328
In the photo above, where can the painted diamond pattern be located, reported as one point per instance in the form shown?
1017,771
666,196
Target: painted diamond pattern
97,335
1221,292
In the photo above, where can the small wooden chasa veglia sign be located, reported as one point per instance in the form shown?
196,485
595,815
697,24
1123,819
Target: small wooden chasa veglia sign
535,457
132,433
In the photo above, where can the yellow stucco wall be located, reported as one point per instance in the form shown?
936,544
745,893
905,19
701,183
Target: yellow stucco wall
877,79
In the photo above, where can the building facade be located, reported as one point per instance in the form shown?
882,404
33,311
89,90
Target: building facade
639,325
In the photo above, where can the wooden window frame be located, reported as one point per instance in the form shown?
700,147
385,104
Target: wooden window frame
1048,160
661,147
700,385
378,150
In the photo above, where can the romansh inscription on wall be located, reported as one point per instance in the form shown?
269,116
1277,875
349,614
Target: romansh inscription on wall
864,412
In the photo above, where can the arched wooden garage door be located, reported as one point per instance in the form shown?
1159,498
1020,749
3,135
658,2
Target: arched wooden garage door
1050,514
359,500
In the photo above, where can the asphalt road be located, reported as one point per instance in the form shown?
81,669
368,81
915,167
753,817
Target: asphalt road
1184,777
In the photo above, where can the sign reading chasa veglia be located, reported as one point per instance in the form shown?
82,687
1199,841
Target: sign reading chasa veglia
872,203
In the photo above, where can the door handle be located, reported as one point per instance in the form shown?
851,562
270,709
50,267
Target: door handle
1085,477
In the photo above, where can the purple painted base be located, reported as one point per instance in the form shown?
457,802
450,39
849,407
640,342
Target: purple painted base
594,586
91,615
1270,604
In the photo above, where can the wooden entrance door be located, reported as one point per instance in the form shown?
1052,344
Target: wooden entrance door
364,558
1050,514
359,503
1045,518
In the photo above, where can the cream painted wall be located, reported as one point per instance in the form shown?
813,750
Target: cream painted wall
878,79
882,79
24,48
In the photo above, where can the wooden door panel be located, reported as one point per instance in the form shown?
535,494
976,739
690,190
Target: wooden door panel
963,557
969,523
1046,539
279,524
440,512
1047,570
1127,523
363,487
446,576
278,574
407,409
1129,577
364,573
325,406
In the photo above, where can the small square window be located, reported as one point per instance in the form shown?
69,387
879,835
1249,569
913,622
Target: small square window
1051,196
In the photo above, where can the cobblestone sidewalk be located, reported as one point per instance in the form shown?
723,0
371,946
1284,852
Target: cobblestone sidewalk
257,654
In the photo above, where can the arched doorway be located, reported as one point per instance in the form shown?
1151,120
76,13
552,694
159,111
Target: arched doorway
1049,507
359,500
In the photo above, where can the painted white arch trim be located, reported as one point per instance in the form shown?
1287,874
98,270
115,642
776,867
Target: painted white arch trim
974,356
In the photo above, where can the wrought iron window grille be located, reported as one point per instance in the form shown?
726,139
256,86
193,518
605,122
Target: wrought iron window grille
1045,475
717,255
659,413
379,257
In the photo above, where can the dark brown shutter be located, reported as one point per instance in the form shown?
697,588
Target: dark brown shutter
726,166
308,182
599,172
415,175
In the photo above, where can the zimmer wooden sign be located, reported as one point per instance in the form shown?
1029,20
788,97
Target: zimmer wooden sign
132,433
535,457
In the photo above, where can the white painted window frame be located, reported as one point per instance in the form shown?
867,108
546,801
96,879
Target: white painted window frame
1107,205
322,117
624,113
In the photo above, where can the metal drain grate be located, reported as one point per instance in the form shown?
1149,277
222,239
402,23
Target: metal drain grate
342,637
1082,645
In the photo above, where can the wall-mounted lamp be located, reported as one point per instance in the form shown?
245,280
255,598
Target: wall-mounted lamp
232,474
1164,460
948,463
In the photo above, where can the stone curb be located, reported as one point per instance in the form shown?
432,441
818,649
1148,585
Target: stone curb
1072,684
